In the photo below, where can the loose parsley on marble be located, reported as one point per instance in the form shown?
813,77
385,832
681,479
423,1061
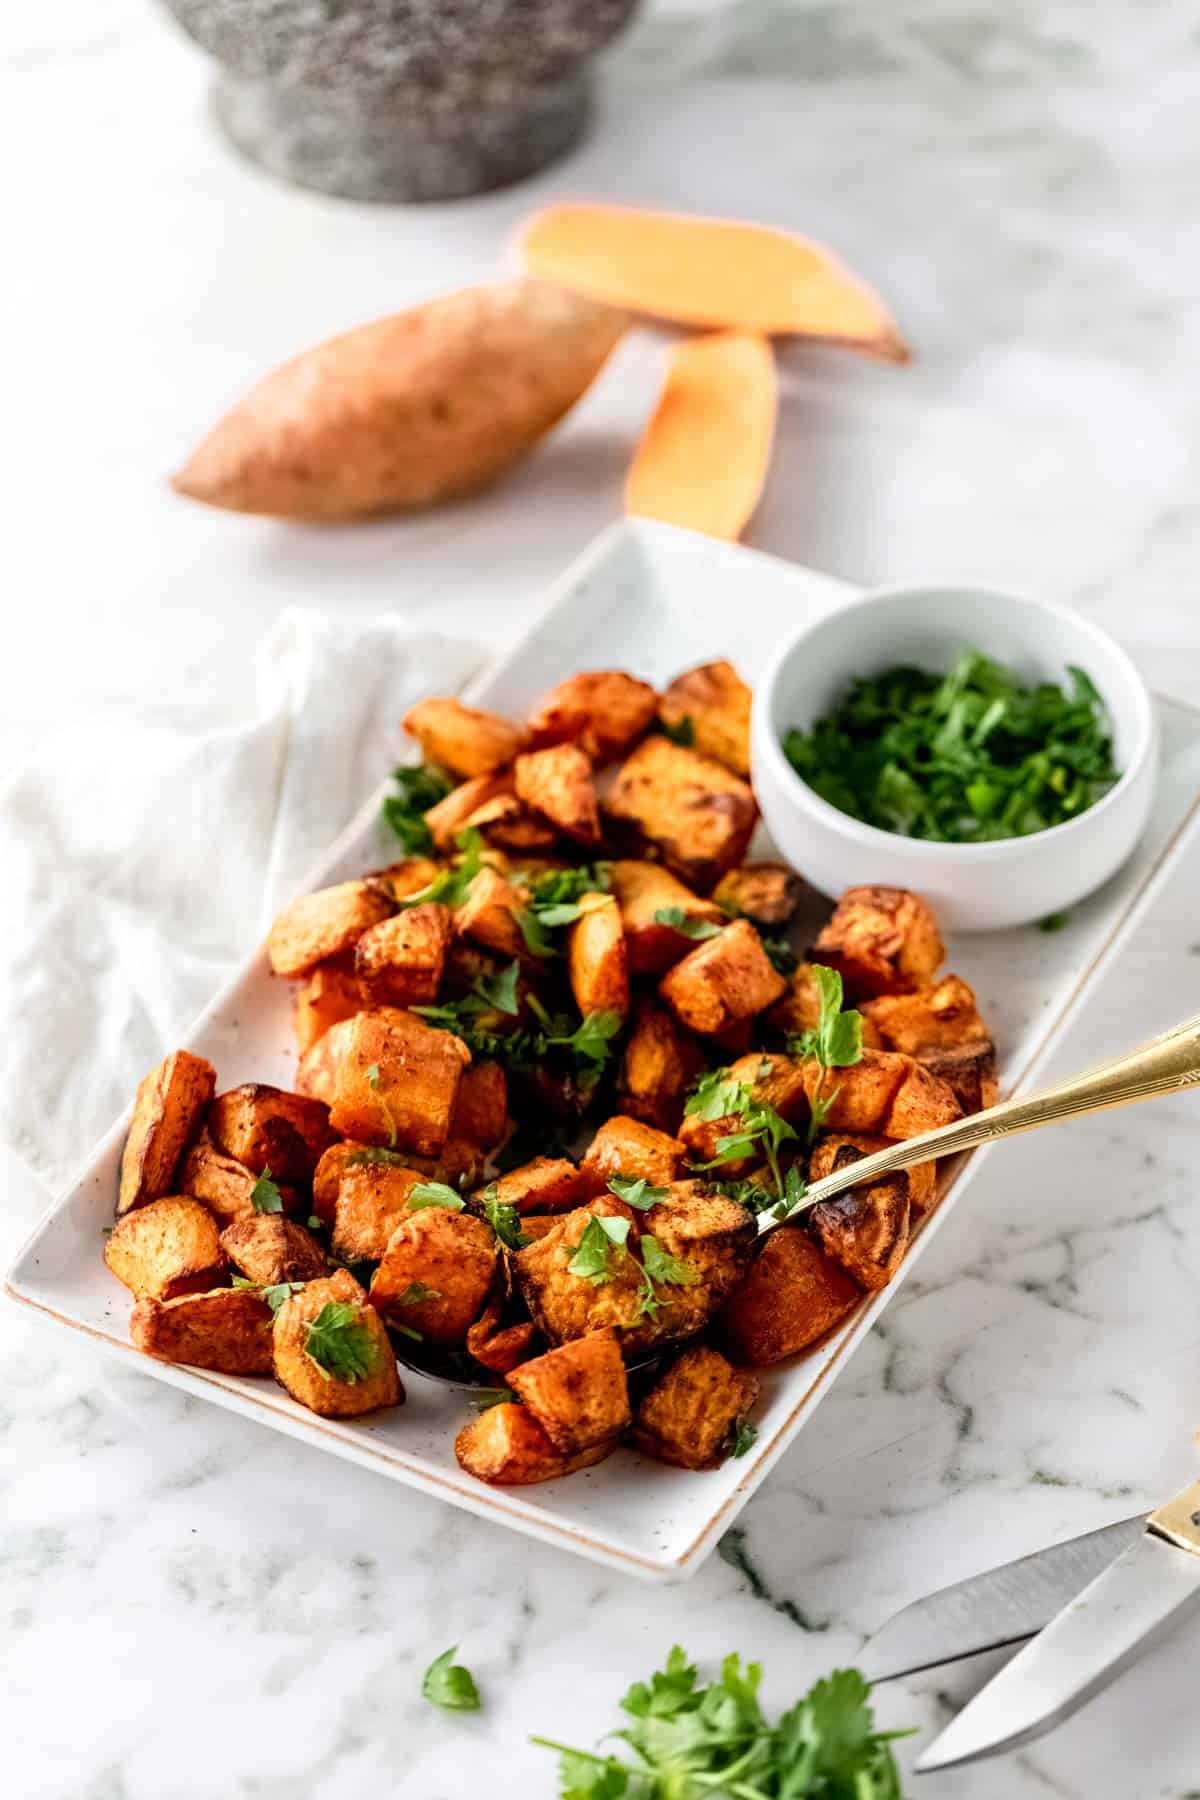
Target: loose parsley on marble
449,1685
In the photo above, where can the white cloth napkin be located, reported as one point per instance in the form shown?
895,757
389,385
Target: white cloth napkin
140,866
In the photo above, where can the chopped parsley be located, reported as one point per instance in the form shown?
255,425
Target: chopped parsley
448,1685
680,920
741,1439
434,1193
636,1191
265,1196
682,732
504,1219
275,1294
761,1130
417,789
555,900
339,1342
592,1260
835,1042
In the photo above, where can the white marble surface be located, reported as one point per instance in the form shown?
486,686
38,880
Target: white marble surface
194,1608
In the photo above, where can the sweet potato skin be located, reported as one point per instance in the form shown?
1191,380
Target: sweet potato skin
265,1127
578,1392
424,406
604,711
624,1146
229,1330
691,1412
792,1296
693,811
168,1108
882,940
506,1447
166,1248
556,783
464,739
452,1257
597,963
644,889
326,924
399,962
331,1396
715,699
269,1248
396,1083
722,982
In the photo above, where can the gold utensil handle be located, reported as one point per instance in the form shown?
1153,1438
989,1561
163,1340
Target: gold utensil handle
1162,1066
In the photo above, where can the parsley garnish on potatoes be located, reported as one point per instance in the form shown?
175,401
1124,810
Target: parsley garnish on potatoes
836,1042
339,1343
265,1196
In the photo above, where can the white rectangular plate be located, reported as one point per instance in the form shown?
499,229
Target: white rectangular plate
653,600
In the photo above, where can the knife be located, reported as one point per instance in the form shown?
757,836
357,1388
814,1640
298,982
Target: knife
1144,1593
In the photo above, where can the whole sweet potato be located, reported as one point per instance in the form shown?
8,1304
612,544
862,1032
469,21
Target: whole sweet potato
419,407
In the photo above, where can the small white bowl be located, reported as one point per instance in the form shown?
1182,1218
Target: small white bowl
974,887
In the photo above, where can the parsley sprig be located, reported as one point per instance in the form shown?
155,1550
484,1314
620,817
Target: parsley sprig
417,789
274,1294
504,1219
556,900
677,918
835,1042
604,1239
265,1196
434,1193
761,1131
339,1343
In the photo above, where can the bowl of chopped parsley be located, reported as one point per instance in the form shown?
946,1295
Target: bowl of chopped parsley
995,752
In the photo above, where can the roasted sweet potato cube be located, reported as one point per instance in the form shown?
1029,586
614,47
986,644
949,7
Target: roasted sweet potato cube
225,1185
463,739
497,1346
330,995
269,1249
458,1163
548,1183
557,785
833,1149
715,1237
399,962
776,1081
396,1083
462,807
658,1067
695,813
969,1072
229,1329
481,1105
766,893
488,916
691,1414
624,1146
325,924
922,1102
165,1248
883,940
722,982
578,1392
267,1128
538,1225
506,1447
601,710
317,1070
942,1028
798,1009
792,1296
643,891
859,1098
565,1305
332,1352
865,1228
597,966
514,828
166,1113
327,1176
715,701
436,1274
371,1201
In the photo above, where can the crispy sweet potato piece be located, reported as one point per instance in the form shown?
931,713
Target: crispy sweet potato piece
717,702
481,1105
692,1413
643,890
462,806
170,1102
401,880
330,995
325,924
463,739
865,1228
658,1067
862,1095
549,1182
488,915
370,1202
224,1184
317,1070
798,1009
941,1027
267,1128
883,940
969,1073
399,962
327,1176
166,1248
775,1081
396,1083
722,982
229,1329
506,1447
565,1306
602,710
715,1237
578,1392
793,1295
766,893
436,1274
692,810
269,1248
830,1146
597,965
557,784
331,1395
499,1347
538,1225
624,1146
922,1103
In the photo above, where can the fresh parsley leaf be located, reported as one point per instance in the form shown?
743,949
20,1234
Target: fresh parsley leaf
741,1439
434,1193
537,939
451,886
339,1343
636,1191
680,920
483,1399
556,887
717,1096
761,1130
660,1265
416,1292
448,1685
780,955
835,1041
681,732
592,1041
265,1196
499,991
1054,921
417,789
593,1252
315,1223
504,1219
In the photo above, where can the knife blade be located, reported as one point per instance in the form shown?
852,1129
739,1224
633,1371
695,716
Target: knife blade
1141,1596
1000,1606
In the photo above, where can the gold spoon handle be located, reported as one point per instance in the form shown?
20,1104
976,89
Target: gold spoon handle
1162,1066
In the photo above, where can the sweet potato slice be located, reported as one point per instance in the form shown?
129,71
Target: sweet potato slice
643,891
865,1229
499,1347
399,962
331,994
883,940
396,1083
624,1146
691,1415
375,1382
436,1274
604,711
718,273
597,964
693,811
225,1185
170,1102
463,739
833,1149
166,1248
409,410
269,1248
267,1128
723,981
659,1065
506,1447
229,1329
578,1393
766,893
548,1183
557,784
702,461
325,924
792,1296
